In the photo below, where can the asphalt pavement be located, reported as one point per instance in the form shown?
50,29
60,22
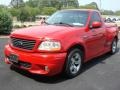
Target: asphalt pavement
102,73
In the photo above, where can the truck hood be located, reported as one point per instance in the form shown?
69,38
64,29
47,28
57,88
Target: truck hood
42,31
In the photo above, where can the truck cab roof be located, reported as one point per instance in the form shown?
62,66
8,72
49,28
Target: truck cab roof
87,10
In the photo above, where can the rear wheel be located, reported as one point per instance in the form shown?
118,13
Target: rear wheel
114,47
73,63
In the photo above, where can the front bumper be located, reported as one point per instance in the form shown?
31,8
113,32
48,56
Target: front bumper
39,63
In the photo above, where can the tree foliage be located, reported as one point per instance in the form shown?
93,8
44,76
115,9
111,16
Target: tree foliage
92,5
14,12
48,10
23,15
32,12
17,3
108,12
53,3
5,22
33,3
117,12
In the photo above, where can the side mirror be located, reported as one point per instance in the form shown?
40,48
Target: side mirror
104,19
96,24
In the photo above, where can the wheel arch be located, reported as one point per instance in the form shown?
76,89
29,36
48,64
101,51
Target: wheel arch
116,37
78,46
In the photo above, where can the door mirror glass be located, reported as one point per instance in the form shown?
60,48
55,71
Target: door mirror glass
96,24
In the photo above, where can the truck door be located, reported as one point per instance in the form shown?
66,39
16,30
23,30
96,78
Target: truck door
96,37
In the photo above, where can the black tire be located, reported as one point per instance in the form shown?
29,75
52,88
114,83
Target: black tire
74,60
114,47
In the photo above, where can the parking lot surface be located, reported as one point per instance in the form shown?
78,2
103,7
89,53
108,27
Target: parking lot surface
102,73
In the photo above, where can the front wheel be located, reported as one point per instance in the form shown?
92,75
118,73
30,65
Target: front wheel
73,63
114,47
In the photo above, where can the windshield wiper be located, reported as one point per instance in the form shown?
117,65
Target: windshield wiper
62,23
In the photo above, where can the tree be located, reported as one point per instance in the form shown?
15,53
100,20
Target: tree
48,10
117,12
107,12
5,22
14,12
53,3
23,15
2,6
17,3
27,13
32,12
95,5
69,3
92,5
33,3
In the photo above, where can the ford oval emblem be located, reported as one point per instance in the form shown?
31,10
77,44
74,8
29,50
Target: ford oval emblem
19,43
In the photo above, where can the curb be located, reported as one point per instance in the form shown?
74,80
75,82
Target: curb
4,37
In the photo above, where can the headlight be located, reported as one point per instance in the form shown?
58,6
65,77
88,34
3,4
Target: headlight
9,41
50,46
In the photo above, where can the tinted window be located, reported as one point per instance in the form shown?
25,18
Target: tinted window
95,17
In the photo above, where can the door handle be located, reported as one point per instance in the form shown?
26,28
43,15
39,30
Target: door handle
85,37
95,35
100,34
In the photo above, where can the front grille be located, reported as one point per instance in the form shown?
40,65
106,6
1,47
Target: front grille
23,43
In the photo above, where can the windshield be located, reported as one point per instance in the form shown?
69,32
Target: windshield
70,17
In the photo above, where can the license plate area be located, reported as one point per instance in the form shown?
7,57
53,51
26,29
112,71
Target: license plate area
13,58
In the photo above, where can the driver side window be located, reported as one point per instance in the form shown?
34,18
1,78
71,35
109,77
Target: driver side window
95,17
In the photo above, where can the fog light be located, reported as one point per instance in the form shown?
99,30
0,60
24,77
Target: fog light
46,68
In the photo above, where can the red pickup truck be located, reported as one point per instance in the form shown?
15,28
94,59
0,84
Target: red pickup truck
68,39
